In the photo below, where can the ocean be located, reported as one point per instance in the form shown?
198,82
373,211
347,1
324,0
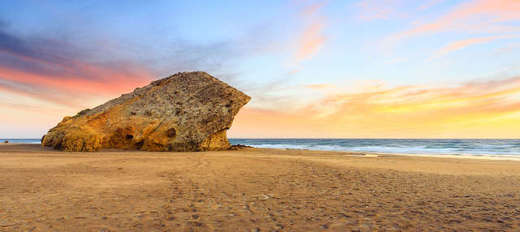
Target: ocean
33,141
484,148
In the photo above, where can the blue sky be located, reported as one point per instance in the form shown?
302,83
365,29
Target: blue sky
309,61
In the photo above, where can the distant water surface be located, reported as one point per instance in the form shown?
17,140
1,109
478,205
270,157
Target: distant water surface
34,141
498,148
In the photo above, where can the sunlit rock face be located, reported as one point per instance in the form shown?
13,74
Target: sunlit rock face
184,112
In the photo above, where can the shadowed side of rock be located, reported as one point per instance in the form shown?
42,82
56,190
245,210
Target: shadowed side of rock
184,112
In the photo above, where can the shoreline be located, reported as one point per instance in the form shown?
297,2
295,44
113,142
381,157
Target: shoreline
457,156
379,160
443,156
515,157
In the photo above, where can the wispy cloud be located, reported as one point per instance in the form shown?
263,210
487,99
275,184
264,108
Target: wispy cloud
70,75
472,109
477,16
429,4
39,93
461,44
57,76
311,41
59,72
483,21
508,48
377,9
312,37
319,86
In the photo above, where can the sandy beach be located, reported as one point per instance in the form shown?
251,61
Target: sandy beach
253,190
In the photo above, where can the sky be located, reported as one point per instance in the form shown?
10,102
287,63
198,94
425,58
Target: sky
314,69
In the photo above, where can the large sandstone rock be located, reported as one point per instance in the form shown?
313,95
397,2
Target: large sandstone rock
184,112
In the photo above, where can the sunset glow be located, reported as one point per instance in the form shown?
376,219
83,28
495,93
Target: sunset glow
316,69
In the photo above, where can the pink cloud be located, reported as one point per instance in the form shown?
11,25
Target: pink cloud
75,85
458,45
108,82
312,37
483,16
430,4
377,9
310,41
508,48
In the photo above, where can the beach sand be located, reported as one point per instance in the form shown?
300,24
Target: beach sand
253,190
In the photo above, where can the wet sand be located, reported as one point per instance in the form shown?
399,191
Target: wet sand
253,190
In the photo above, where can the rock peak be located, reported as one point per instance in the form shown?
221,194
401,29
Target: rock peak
187,111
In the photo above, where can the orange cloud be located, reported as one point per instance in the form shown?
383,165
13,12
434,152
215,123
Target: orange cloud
319,86
472,110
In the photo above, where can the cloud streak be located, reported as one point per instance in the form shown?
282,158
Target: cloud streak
461,44
311,41
478,16
312,37
473,109
376,9
429,4
66,74
58,72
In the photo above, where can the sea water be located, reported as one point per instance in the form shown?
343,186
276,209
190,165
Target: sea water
497,148
32,141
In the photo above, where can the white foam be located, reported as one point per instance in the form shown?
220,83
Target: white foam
400,150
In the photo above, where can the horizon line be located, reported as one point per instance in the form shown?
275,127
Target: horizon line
326,138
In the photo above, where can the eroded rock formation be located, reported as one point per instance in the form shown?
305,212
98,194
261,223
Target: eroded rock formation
184,112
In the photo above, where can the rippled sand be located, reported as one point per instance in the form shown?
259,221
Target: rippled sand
253,190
